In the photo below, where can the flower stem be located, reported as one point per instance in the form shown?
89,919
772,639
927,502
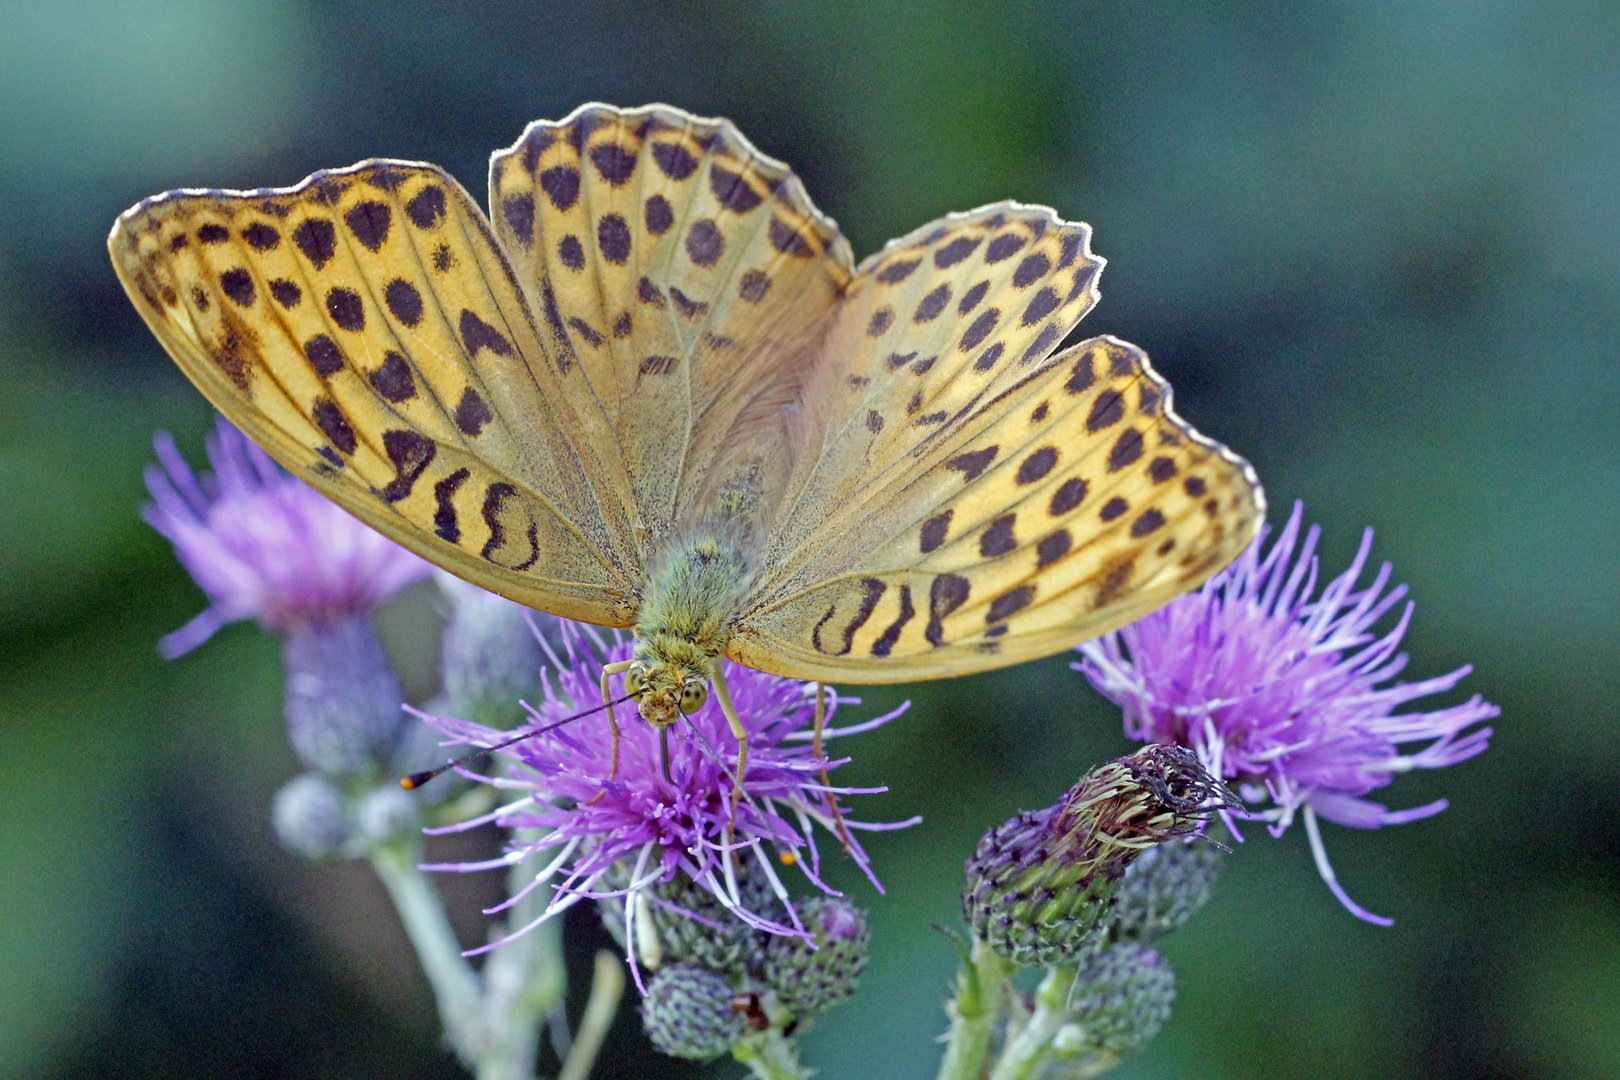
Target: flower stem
607,986
771,1056
524,981
1025,1055
456,987
974,1013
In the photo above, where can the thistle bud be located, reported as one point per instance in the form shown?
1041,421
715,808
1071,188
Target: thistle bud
1040,888
809,979
688,1013
343,700
716,939
386,813
1164,888
491,658
1122,997
309,817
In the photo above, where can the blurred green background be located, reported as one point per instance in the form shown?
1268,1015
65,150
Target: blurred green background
1374,245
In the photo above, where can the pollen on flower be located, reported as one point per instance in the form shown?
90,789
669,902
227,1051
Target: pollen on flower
1280,693
613,840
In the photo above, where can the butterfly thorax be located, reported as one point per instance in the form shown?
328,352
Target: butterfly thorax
696,585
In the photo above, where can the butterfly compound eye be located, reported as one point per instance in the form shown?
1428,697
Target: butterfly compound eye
693,695
634,680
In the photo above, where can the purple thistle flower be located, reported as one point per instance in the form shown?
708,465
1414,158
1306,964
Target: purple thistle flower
264,545
1280,693
661,828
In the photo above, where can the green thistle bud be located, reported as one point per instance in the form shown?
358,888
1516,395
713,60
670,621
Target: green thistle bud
1164,888
811,979
1122,997
1040,887
491,658
729,945
310,817
688,1013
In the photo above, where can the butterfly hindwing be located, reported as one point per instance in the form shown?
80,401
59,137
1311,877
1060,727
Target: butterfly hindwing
1080,504
364,327
678,271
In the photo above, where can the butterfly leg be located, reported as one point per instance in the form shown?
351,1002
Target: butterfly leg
723,693
613,722
832,801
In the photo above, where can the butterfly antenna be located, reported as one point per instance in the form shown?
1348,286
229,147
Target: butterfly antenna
417,779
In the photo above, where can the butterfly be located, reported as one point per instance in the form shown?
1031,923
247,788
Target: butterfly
653,390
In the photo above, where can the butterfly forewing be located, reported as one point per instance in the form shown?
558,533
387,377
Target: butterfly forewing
679,273
364,328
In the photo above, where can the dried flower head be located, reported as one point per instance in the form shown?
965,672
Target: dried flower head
1280,693
1040,888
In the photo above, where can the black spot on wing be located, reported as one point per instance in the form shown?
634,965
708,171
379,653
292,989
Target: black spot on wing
346,309
659,215
1008,603
674,160
404,301
369,222
444,517
519,213
237,284
753,286
705,243
561,185
426,207
733,190
947,593
571,252
884,645
613,238
261,236
477,334
955,251
1126,450
393,380
317,239
323,355
973,463
410,453
472,413
613,163
334,425
287,293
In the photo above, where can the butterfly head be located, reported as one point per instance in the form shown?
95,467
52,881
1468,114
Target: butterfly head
663,691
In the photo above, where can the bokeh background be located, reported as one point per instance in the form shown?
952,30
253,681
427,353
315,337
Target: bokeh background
1375,246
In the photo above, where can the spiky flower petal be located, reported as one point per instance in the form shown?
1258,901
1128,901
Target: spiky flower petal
265,545
1280,693
592,821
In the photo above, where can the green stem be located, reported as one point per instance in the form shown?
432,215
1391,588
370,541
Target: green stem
456,987
1025,1055
770,1056
973,1013
607,986
524,981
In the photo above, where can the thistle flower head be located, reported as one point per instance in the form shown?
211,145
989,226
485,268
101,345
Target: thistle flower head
264,545
1280,691
658,826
